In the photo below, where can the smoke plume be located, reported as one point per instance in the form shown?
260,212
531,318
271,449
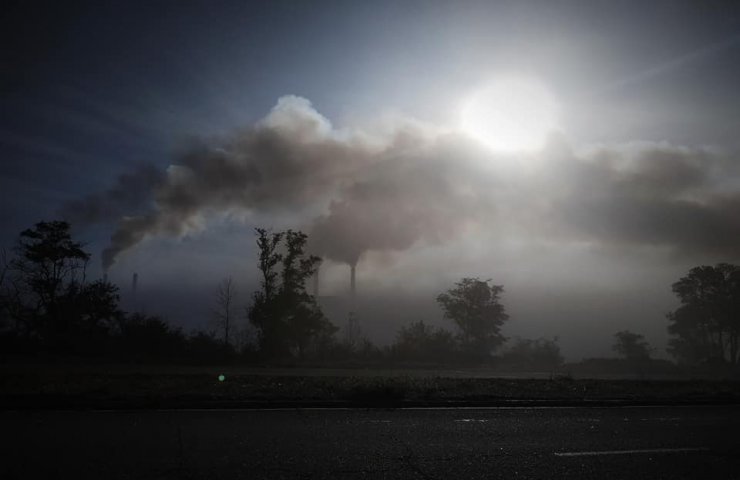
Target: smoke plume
419,184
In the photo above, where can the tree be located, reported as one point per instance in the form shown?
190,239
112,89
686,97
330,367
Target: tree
3,266
95,305
263,313
46,294
542,353
304,317
223,312
285,315
632,346
422,342
48,266
145,337
4,293
475,308
707,324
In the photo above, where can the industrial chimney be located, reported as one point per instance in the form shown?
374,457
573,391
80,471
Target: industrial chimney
351,316
134,283
352,289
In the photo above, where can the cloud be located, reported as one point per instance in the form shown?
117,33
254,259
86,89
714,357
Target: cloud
651,194
413,184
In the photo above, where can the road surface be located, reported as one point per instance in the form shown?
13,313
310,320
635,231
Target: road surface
602,443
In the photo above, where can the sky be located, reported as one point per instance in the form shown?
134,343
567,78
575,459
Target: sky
582,154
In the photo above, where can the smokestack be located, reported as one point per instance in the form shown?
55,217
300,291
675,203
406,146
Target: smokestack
352,281
316,283
134,282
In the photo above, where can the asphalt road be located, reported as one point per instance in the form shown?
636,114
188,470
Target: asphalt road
603,443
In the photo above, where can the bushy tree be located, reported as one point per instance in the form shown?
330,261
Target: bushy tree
286,317
46,293
5,294
706,325
202,347
142,336
422,342
631,346
48,268
542,353
475,307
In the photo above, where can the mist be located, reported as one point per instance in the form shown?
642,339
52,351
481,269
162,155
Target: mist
571,232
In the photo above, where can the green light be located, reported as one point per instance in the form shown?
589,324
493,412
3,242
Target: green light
221,378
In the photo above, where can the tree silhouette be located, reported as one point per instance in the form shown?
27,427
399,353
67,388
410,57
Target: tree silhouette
4,292
48,266
707,323
263,312
223,313
540,353
3,266
475,308
46,293
145,337
46,272
96,305
422,342
286,317
631,346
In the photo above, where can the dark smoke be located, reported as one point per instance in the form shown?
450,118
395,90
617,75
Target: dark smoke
657,195
418,184
132,193
401,202
290,160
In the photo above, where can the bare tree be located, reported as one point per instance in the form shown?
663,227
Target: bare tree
223,312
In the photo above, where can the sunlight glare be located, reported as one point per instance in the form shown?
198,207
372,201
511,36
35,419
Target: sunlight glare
510,114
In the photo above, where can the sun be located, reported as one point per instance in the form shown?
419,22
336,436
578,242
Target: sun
510,114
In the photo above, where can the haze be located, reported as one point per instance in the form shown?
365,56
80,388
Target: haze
165,135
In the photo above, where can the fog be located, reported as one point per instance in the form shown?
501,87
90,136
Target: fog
586,240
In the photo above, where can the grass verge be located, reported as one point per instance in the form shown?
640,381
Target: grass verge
60,389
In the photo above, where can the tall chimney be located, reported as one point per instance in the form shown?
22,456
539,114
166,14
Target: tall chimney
134,283
352,289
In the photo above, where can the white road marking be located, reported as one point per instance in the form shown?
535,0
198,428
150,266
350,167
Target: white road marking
630,452
467,420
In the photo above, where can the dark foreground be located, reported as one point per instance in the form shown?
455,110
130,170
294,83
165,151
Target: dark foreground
624,442
47,387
